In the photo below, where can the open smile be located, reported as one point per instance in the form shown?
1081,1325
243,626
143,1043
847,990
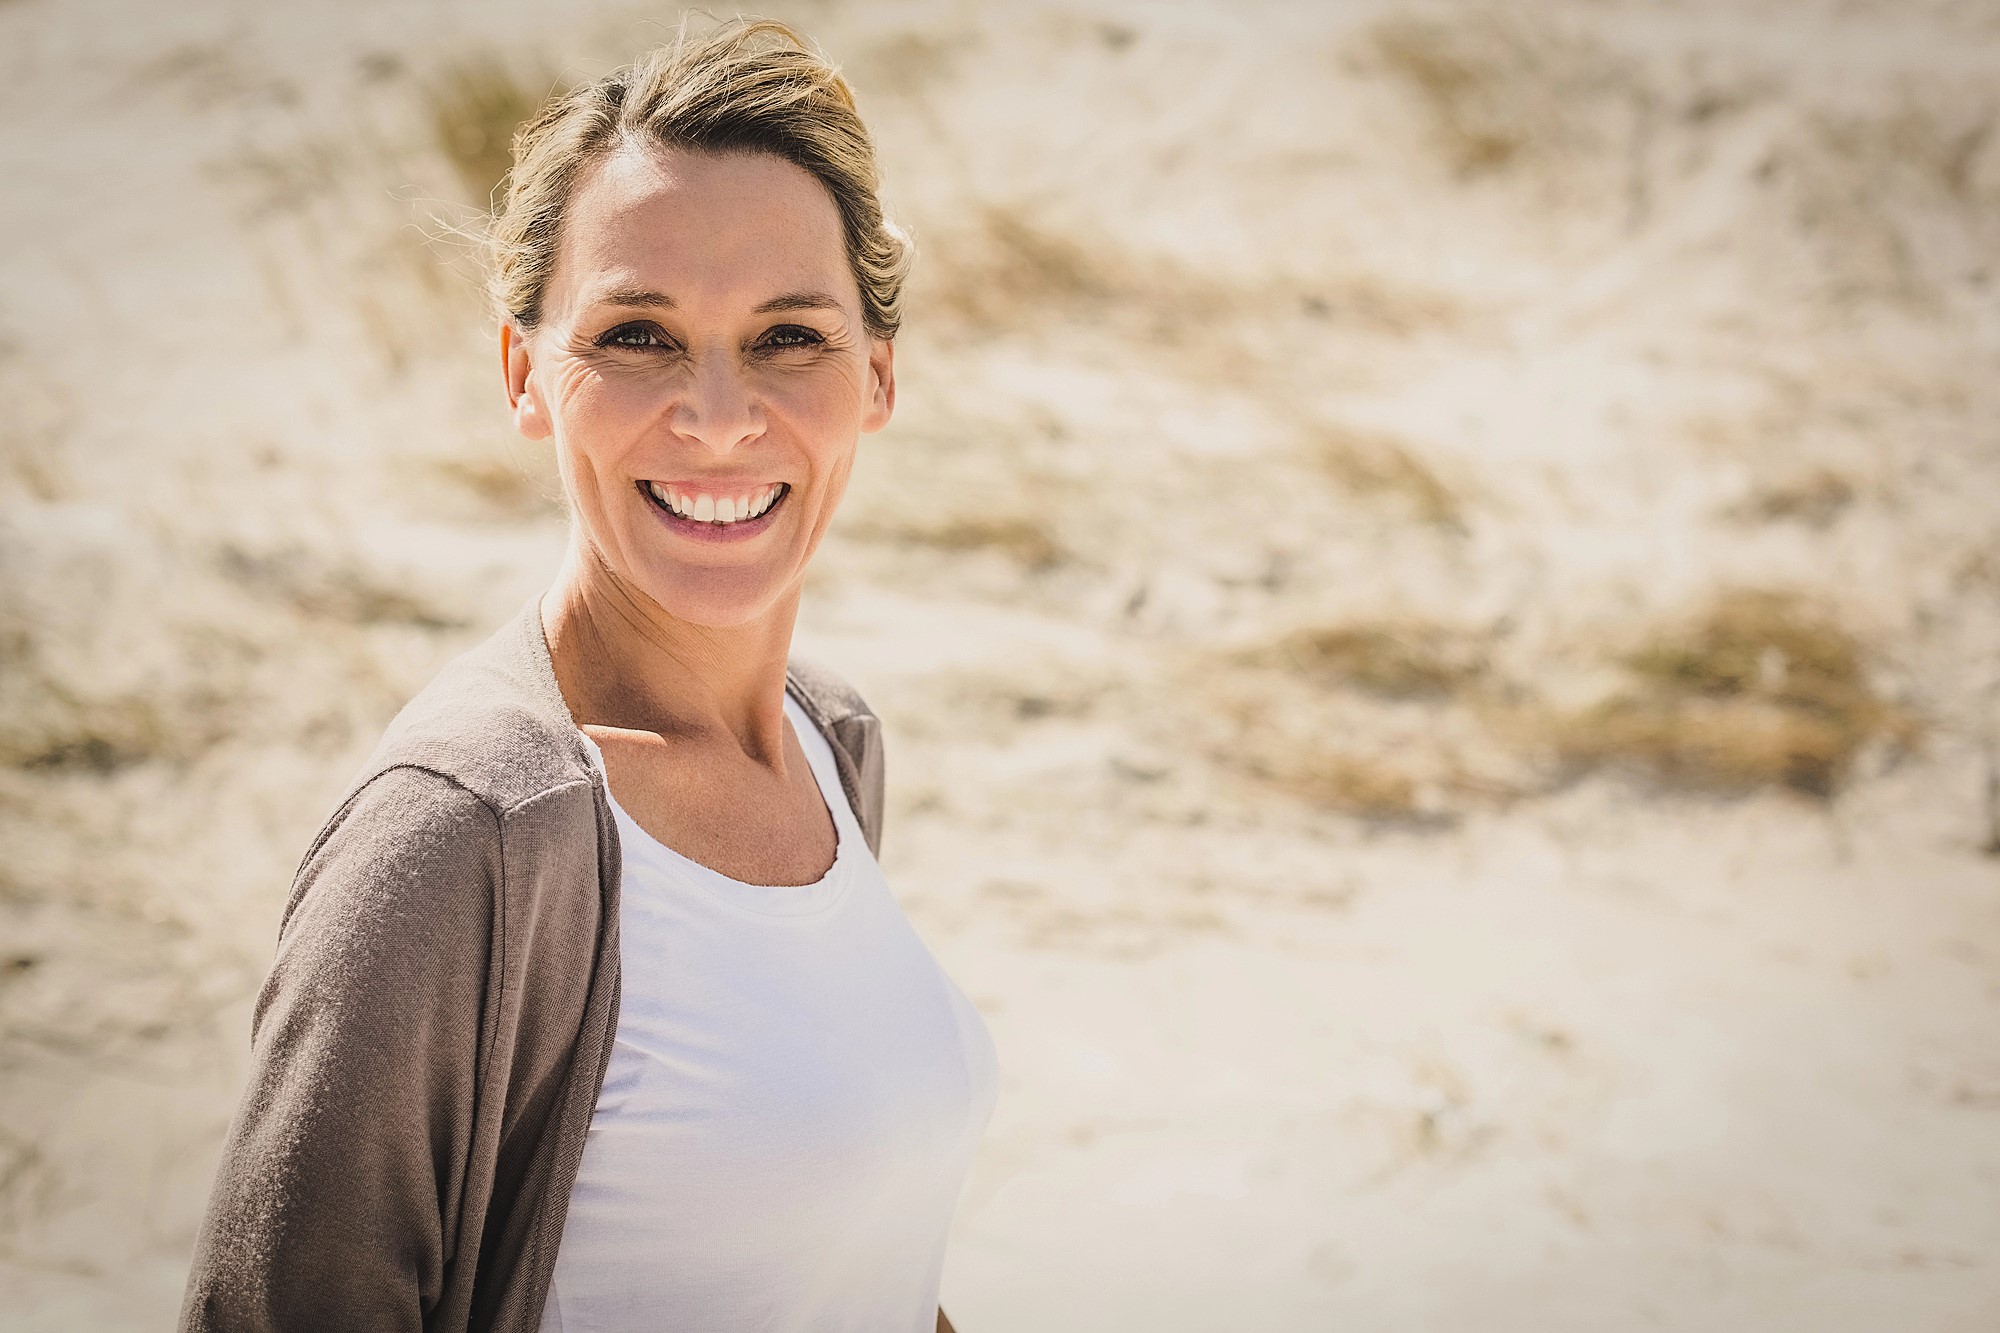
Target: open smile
707,515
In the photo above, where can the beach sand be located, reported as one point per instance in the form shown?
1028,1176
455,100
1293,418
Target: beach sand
1432,593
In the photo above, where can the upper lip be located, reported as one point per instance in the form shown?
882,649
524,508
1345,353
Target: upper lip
717,488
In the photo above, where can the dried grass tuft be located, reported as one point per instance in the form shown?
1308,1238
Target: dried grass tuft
1395,659
52,719
1499,84
1006,272
1758,690
1286,737
1027,540
1815,499
1748,640
504,486
322,590
1352,785
1373,464
474,106
1895,199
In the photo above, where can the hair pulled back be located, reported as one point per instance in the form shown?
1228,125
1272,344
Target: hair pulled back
747,85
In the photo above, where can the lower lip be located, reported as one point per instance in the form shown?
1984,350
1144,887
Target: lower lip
720,534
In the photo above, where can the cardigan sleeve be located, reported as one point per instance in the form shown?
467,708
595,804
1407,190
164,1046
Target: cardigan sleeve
334,1203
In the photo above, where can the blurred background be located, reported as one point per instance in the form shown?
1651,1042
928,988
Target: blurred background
1433,591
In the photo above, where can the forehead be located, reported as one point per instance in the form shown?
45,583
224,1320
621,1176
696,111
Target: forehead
700,227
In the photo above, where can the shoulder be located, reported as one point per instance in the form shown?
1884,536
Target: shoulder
407,842
838,710
835,706
422,823
493,721
825,693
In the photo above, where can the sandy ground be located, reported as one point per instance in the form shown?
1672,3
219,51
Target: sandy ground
1433,593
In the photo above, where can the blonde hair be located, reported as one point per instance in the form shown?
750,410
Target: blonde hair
747,85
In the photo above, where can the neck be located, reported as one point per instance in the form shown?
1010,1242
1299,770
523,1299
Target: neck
622,662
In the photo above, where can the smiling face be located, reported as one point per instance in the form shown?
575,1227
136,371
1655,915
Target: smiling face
704,371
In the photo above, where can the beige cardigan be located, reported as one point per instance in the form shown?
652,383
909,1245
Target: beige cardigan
428,1048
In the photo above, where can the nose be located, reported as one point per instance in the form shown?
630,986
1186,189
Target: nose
717,409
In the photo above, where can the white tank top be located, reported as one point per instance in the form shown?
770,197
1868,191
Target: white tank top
789,1110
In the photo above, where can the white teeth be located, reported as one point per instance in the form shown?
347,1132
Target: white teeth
711,509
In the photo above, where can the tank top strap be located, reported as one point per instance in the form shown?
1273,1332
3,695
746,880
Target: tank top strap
826,772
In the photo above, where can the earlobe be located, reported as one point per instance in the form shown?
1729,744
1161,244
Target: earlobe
529,418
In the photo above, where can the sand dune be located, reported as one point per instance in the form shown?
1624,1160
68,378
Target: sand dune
1433,593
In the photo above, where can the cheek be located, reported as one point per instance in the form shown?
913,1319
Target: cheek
823,411
588,439
598,414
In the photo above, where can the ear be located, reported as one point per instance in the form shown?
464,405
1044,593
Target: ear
523,394
882,384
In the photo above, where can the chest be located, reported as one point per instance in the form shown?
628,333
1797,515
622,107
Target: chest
829,1034
790,1106
718,808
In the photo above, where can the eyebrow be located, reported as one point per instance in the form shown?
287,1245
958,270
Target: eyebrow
646,299
637,296
798,301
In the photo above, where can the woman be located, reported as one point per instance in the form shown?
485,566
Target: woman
590,1008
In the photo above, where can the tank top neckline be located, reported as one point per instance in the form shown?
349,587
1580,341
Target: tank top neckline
641,852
